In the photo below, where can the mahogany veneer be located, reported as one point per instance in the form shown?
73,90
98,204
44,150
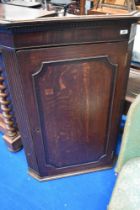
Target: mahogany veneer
68,81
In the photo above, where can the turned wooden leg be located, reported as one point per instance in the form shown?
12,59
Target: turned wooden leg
11,136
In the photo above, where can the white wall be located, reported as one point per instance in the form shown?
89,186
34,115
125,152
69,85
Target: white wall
136,48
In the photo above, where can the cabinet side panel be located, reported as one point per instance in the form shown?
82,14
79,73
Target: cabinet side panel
13,76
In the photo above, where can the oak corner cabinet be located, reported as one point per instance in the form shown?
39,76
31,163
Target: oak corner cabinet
68,80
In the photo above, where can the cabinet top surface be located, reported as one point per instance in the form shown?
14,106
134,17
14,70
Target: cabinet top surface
14,16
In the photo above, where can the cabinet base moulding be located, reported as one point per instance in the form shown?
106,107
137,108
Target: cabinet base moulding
32,173
14,144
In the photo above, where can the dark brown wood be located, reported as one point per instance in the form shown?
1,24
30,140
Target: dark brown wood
7,120
68,80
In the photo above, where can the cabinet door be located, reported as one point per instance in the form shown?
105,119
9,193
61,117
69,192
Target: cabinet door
73,96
